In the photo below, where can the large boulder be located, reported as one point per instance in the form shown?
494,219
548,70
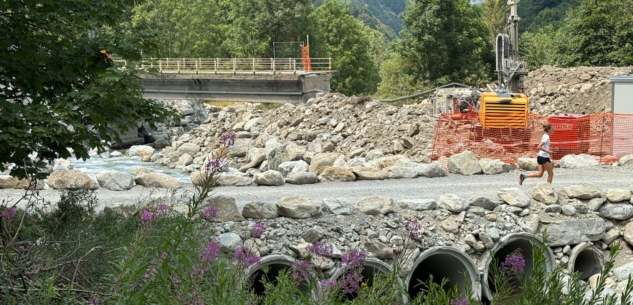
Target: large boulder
293,166
452,203
322,161
71,179
379,250
293,152
8,182
401,172
338,206
582,191
626,160
514,196
158,180
234,179
527,164
572,232
431,170
188,148
229,242
226,206
618,195
370,173
545,193
628,233
376,205
337,174
623,272
115,181
484,202
374,154
302,178
260,210
270,178
578,161
298,207
418,204
492,167
622,211
143,151
464,163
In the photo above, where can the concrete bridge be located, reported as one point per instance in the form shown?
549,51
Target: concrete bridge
257,80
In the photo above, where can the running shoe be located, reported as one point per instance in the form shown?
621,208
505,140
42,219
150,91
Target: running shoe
521,179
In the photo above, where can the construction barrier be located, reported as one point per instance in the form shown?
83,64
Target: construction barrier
606,136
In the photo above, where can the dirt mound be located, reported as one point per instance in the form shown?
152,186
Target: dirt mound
586,90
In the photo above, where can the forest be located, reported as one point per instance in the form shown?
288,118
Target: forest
391,48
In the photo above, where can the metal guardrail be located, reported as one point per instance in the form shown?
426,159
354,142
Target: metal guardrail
233,65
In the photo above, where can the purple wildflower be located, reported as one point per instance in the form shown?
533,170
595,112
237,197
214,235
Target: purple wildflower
211,252
163,255
413,226
209,213
199,272
258,230
328,284
146,218
21,248
94,301
301,271
227,139
38,268
320,249
459,302
216,166
244,259
9,213
162,209
514,263
354,258
351,282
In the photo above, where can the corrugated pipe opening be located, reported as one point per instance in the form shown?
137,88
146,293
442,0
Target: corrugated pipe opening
371,268
506,246
276,264
443,263
585,259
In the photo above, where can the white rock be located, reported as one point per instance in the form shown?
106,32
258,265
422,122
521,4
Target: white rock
418,204
71,179
528,164
157,180
578,161
115,181
270,178
298,207
464,163
582,191
514,197
338,206
492,167
376,205
452,203
545,193
626,160
230,241
618,195
260,210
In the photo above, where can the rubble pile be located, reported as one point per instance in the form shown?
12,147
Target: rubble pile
587,90
323,136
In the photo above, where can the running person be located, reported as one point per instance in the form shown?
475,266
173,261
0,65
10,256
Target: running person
543,159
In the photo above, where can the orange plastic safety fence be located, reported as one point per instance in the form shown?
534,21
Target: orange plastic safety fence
305,58
606,136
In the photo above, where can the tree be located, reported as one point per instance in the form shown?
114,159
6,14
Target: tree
186,28
601,32
445,41
336,34
494,16
538,49
60,94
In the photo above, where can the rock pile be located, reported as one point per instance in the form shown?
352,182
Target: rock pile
586,90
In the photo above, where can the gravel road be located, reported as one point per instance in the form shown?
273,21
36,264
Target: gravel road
420,188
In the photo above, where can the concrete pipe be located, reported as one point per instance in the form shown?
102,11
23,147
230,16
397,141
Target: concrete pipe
443,263
371,268
276,264
585,259
507,245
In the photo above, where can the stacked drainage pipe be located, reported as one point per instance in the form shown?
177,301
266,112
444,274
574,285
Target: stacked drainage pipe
585,259
507,245
443,263
371,268
276,264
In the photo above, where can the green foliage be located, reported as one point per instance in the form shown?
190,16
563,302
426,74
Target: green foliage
380,15
339,36
494,16
445,41
535,14
541,48
59,92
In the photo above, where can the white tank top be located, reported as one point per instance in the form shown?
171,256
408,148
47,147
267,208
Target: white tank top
544,139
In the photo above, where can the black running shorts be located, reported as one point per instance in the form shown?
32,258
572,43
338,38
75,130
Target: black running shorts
542,160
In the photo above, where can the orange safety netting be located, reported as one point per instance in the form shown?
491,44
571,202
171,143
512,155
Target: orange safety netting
305,58
606,136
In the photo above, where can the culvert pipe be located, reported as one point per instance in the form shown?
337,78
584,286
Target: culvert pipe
443,263
585,259
507,245
276,264
371,268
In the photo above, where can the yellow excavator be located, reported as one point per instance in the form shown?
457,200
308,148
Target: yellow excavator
508,106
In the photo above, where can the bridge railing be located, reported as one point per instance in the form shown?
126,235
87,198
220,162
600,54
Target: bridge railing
234,65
